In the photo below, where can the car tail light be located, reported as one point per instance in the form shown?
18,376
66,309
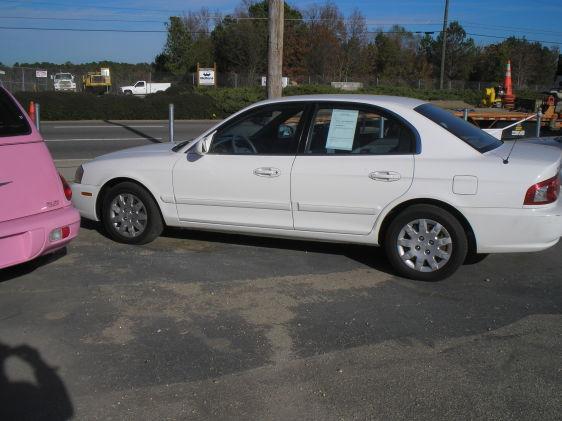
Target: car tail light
59,234
542,193
66,188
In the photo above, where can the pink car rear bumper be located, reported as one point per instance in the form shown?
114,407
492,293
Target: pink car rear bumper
26,238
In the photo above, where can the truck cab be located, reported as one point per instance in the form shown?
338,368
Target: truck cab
64,82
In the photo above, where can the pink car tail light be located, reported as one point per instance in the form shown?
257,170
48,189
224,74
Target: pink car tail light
59,234
543,193
66,188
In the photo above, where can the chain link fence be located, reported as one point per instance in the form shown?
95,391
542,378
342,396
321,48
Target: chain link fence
28,79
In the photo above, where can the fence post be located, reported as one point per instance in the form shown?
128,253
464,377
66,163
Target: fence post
38,116
171,122
465,114
22,79
538,132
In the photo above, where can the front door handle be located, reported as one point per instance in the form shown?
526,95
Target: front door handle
267,172
385,176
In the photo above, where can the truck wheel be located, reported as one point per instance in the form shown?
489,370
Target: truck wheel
425,243
127,92
130,215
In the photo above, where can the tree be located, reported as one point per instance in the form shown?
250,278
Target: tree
178,43
460,52
326,33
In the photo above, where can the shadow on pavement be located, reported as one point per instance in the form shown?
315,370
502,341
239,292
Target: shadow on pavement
135,131
28,267
373,257
44,399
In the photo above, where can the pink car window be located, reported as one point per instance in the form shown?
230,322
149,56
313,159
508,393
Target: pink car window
12,121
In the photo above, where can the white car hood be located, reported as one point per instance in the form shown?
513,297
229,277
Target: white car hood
156,149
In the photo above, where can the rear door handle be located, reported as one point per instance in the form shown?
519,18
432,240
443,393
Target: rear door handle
385,176
267,172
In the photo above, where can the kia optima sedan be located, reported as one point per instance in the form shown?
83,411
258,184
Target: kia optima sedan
393,172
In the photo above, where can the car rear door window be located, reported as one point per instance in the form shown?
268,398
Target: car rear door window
12,120
349,130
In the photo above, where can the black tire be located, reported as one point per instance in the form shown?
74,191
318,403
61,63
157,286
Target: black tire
474,258
153,226
455,231
127,92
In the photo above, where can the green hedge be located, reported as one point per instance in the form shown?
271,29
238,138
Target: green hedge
198,103
83,106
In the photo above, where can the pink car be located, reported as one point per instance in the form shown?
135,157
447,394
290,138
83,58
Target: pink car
36,216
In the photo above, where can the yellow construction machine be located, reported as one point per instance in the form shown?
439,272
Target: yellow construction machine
97,82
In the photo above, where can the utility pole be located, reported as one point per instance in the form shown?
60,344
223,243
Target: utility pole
275,48
444,47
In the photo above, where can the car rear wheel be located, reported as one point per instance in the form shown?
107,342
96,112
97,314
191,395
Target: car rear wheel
426,243
130,214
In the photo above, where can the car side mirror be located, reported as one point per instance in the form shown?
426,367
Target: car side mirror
204,145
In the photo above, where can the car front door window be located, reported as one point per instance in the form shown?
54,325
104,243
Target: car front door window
267,131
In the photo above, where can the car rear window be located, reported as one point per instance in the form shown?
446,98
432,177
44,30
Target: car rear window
12,120
478,139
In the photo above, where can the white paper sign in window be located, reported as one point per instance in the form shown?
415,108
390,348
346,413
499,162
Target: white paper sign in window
342,130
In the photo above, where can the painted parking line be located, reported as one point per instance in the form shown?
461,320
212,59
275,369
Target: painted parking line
98,139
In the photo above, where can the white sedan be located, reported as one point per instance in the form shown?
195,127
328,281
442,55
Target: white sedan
395,172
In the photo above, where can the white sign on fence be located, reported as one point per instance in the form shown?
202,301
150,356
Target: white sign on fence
40,73
207,77
284,81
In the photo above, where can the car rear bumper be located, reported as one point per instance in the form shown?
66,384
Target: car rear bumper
26,238
515,230
84,197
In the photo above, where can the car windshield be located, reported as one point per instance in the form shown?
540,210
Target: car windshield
63,76
478,139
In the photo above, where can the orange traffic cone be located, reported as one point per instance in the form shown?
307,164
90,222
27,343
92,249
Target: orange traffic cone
31,111
509,98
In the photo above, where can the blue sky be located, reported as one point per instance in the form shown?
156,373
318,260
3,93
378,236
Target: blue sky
534,19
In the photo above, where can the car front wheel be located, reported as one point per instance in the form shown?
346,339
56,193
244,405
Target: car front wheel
426,243
130,214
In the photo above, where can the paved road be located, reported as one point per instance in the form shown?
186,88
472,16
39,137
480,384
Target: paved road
88,139
207,326
73,142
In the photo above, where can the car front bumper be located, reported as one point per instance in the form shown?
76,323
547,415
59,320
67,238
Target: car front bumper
84,198
26,238
499,230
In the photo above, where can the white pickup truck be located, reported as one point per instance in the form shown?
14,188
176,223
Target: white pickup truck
64,82
143,87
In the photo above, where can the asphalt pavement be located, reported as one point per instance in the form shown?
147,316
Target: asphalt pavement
206,326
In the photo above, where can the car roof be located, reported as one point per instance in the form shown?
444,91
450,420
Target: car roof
382,100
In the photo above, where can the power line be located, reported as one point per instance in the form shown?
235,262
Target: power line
30,28
83,19
50,3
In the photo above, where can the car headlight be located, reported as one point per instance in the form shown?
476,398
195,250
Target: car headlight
79,174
